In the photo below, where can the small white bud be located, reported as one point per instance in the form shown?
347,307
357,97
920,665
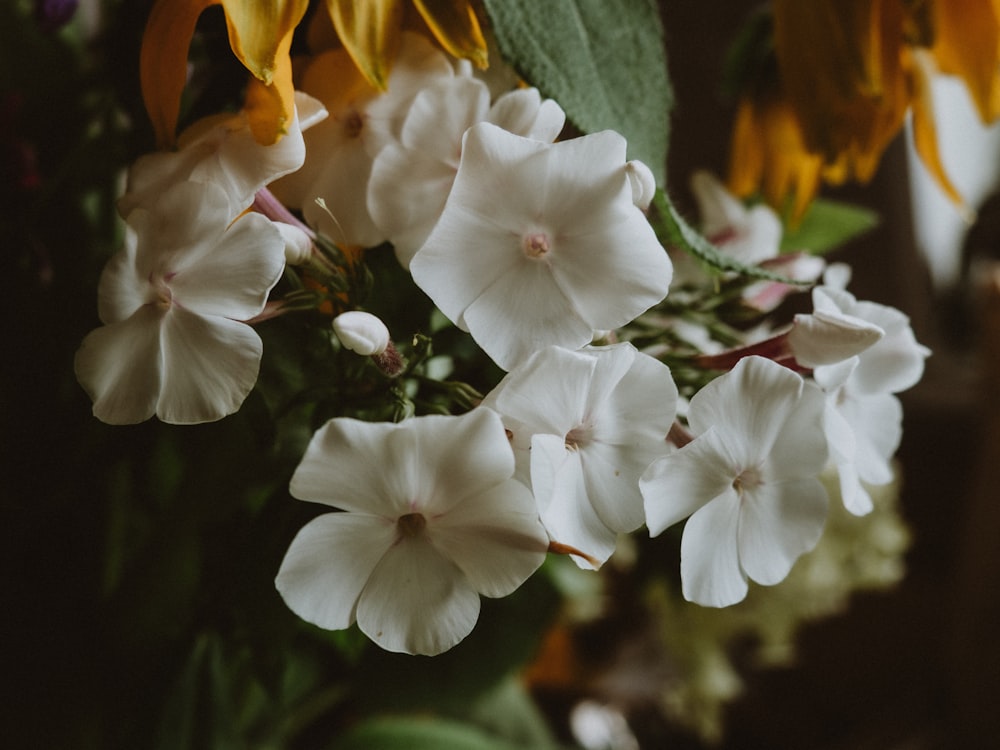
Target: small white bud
643,184
361,332
298,244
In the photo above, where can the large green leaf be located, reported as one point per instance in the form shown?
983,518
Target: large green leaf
602,60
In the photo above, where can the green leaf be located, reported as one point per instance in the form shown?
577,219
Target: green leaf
828,224
402,733
602,60
673,231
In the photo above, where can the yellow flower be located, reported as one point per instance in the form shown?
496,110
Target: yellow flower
370,31
850,70
260,33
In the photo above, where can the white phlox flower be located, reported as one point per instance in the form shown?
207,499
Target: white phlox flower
362,121
411,179
749,235
222,151
540,244
584,426
171,301
863,417
830,334
748,481
434,519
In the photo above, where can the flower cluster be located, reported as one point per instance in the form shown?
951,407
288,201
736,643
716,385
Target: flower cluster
621,406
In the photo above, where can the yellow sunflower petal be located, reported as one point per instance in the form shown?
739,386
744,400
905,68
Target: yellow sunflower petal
967,44
260,33
924,131
455,26
163,62
370,33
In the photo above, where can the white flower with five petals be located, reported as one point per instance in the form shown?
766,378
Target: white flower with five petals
171,301
584,426
541,244
748,481
434,519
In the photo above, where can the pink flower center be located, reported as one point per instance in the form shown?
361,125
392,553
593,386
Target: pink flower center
353,124
579,436
535,245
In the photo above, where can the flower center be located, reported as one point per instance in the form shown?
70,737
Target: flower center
748,479
579,436
411,524
353,124
535,245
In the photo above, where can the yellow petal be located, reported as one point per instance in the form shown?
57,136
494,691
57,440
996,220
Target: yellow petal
163,62
260,32
455,26
370,33
967,44
924,132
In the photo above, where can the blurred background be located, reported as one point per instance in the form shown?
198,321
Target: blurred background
138,602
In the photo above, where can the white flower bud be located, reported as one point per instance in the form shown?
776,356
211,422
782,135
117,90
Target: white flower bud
643,184
298,244
361,332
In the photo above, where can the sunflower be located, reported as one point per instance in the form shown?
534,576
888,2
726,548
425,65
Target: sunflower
845,75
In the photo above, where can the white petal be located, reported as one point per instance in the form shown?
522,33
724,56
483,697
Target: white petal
615,274
343,186
824,338
522,312
710,566
523,112
182,227
678,484
298,244
328,564
494,536
233,280
356,466
120,367
778,522
800,447
565,510
642,182
611,476
855,497
309,110
719,209
209,367
752,401
440,115
406,195
641,406
124,286
877,422
416,601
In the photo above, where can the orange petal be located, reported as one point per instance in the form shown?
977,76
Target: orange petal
260,32
370,33
163,62
967,44
924,132
455,26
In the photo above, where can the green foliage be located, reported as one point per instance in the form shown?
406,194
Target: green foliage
674,231
827,225
416,733
602,60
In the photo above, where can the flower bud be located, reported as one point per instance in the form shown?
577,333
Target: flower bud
642,182
361,332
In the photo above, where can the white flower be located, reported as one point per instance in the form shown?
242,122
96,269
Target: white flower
584,426
540,244
363,120
643,183
750,235
411,179
222,151
863,418
171,300
361,332
433,519
748,480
